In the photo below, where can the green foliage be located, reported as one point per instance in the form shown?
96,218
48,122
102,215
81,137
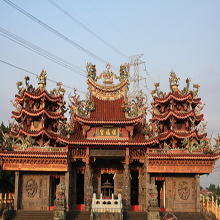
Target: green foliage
212,188
7,178
4,129
7,181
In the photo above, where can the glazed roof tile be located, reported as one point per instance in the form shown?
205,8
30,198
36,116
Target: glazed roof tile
176,96
38,94
33,154
183,156
35,133
180,135
38,112
138,139
176,114
108,112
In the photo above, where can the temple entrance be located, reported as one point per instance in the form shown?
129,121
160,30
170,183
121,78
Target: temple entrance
107,185
161,190
54,181
80,188
134,187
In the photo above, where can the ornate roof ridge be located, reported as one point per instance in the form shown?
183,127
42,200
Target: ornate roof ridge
108,92
176,114
172,95
193,155
187,134
35,95
108,87
98,121
33,154
37,112
35,133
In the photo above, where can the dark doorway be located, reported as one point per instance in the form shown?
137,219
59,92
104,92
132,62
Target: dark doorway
54,181
160,189
80,188
107,185
134,187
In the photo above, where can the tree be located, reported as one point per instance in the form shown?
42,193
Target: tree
7,178
212,188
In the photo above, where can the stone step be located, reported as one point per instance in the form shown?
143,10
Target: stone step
187,215
134,215
77,215
33,215
48,215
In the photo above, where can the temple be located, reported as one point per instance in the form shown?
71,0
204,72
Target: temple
108,147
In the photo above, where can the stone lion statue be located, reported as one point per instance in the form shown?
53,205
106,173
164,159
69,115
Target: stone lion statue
60,195
153,195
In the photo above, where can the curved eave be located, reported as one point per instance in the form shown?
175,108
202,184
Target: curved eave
180,135
36,113
176,96
35,133
94,121
183,156
177,115
35,154
38,94
96,142
106,87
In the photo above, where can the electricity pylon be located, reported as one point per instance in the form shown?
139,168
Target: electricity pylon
136,78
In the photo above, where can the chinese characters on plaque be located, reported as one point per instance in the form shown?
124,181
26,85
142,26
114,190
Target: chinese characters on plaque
107,132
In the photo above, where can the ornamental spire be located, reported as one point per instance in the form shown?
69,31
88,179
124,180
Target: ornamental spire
42,79
174,81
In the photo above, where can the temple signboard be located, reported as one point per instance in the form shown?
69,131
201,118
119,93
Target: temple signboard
107,132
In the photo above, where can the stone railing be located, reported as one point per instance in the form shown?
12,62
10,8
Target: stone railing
107,208
208,206
6,205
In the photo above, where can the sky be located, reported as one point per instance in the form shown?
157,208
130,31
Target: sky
179,35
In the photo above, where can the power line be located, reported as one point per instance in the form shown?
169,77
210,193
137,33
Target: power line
41,52
36,74
57,33
87,29
123,37
111,24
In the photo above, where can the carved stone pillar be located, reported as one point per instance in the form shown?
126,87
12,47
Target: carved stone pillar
147,182
88,187
127,188
144,183
67,182
197,183
16,199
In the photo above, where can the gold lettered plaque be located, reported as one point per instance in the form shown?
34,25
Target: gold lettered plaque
108,132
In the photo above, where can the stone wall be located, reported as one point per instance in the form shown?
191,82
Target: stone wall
35,190
181,193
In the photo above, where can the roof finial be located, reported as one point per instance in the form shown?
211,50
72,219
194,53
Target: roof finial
174,81
42,79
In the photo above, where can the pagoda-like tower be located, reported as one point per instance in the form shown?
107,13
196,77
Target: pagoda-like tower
39,115
176,116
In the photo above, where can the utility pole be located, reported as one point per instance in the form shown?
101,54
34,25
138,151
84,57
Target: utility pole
136,78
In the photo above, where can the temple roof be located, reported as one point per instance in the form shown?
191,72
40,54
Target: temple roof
177,96
177,114
38,94
38,112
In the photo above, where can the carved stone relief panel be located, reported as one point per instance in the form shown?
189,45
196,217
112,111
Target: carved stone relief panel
119,179
35,192
184,190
